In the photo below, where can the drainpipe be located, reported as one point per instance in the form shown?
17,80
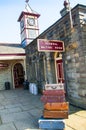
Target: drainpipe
67,6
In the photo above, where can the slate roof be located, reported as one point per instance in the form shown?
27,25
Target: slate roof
8,48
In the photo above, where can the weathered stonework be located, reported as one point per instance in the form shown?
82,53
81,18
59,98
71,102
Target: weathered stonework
74,57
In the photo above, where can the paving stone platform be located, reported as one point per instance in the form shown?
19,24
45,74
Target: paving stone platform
20,110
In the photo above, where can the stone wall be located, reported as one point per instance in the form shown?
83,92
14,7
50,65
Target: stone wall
76,71
40,66
5,76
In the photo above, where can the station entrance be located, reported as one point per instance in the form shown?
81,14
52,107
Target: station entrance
18,75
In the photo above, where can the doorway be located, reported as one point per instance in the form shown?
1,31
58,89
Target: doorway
18,73
59,71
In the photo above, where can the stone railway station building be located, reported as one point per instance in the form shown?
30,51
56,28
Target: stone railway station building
69,66
40,68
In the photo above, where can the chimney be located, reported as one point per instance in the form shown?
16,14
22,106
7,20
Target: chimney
66,8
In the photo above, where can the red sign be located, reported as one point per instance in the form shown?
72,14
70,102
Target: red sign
50,45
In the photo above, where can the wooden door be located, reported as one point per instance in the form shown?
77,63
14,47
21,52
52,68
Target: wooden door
60,72
18,75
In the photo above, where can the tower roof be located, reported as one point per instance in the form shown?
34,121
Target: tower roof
28,11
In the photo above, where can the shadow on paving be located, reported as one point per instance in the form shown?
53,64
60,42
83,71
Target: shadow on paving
73,109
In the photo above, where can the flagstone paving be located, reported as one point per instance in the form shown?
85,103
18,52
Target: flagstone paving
20,110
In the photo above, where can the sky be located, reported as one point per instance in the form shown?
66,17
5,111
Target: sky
10,11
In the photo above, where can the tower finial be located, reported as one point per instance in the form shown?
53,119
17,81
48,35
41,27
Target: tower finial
27,7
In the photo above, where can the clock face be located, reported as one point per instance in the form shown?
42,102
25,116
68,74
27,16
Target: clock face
31,21
22,24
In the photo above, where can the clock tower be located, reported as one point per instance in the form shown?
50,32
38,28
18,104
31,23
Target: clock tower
29,28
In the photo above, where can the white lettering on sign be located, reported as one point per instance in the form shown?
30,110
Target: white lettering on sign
50,45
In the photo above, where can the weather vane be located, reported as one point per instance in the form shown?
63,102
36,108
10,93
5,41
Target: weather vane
26,1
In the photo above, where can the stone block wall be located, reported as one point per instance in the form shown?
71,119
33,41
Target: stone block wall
5,76
76,73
